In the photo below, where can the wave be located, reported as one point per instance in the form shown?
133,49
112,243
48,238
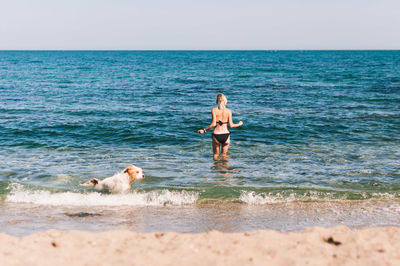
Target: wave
253,198
20,194
190,80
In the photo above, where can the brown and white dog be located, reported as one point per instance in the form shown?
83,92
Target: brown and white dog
118,183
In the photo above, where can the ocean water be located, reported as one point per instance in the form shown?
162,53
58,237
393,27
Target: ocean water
320,144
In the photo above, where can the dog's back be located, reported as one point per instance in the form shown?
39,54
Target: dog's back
117,183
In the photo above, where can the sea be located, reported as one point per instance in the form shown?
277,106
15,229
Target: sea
320,143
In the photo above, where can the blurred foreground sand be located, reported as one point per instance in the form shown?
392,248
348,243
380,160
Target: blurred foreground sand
314,246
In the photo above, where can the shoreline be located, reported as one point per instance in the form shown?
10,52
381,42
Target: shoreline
313,246
23,219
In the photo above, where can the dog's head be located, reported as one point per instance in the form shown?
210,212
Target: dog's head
91,183
134,173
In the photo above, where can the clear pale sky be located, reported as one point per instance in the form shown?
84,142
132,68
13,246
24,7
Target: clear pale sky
201,24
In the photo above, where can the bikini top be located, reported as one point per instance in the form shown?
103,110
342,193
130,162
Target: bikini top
221,123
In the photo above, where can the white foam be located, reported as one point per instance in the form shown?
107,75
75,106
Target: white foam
252,198
19,194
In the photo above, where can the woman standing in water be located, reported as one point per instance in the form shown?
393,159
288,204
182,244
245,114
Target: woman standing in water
221,116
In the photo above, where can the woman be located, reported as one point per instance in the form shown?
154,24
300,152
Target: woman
221,116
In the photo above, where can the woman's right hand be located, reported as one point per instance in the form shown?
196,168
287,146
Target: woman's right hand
201,131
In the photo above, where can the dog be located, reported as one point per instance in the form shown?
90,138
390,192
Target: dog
118,183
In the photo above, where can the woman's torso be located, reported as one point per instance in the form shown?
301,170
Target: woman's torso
223,116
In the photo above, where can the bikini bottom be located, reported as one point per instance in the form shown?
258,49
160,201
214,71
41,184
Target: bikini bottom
222,138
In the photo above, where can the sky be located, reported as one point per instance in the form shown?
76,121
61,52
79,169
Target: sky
199,25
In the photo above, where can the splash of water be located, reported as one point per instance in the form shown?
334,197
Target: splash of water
20,194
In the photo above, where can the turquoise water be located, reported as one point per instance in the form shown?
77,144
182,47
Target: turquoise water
318,126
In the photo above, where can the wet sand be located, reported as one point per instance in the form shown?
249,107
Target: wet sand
313,246
20,219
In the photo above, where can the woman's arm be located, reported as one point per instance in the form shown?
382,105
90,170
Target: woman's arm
212,125
231,124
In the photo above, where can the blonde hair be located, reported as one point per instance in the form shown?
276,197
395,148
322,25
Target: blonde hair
221,101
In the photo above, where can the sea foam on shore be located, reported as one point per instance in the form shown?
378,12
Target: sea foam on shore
20,194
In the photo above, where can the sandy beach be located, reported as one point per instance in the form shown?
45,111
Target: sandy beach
313,246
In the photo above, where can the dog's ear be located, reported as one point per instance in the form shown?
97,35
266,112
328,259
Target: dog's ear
128,168
94,181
